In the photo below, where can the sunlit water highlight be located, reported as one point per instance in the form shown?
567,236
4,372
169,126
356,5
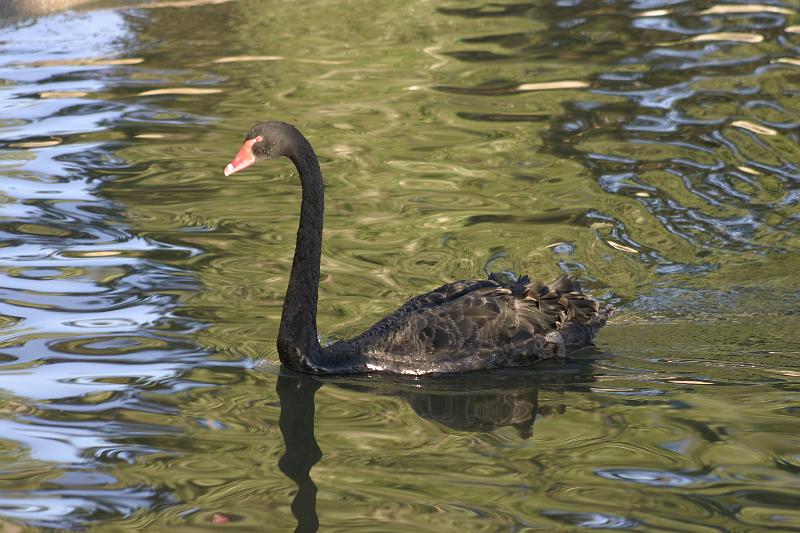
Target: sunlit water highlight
649,148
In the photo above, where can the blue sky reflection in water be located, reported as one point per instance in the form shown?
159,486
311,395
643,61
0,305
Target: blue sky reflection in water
87,302
650,149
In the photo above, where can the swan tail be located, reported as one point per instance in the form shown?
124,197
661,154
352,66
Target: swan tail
577,317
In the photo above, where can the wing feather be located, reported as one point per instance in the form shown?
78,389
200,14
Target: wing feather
472,324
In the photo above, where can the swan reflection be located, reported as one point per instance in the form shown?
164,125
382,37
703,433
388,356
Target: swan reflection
479,402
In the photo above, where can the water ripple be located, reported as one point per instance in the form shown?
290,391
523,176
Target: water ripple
655,478
90,302
650,148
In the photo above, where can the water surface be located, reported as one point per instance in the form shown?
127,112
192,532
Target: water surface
649,148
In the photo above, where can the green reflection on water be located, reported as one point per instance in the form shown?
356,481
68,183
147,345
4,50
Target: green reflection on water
416,194
440,153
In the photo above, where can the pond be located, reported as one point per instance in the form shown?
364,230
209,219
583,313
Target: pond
649,148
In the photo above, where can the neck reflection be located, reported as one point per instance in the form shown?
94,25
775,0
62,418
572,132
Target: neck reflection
296,394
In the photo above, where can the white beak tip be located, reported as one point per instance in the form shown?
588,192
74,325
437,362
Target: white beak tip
228,169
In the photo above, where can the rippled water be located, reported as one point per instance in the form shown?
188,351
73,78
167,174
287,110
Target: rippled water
650,148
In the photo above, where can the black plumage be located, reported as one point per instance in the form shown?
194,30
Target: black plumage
462,326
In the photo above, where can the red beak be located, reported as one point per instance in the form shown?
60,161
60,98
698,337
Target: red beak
243,159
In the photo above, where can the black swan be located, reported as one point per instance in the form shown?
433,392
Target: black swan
462,326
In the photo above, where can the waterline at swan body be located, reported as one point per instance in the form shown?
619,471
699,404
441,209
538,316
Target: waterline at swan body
462,326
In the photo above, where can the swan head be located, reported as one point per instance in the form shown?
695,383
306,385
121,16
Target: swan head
266,140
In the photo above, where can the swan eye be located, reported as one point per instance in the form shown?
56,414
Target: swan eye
259,139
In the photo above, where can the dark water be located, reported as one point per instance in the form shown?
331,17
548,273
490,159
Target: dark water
650,148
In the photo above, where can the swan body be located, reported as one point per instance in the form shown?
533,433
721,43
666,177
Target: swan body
462,326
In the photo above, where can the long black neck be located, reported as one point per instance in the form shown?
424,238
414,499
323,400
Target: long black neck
298,345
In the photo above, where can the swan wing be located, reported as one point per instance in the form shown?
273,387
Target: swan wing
475,324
